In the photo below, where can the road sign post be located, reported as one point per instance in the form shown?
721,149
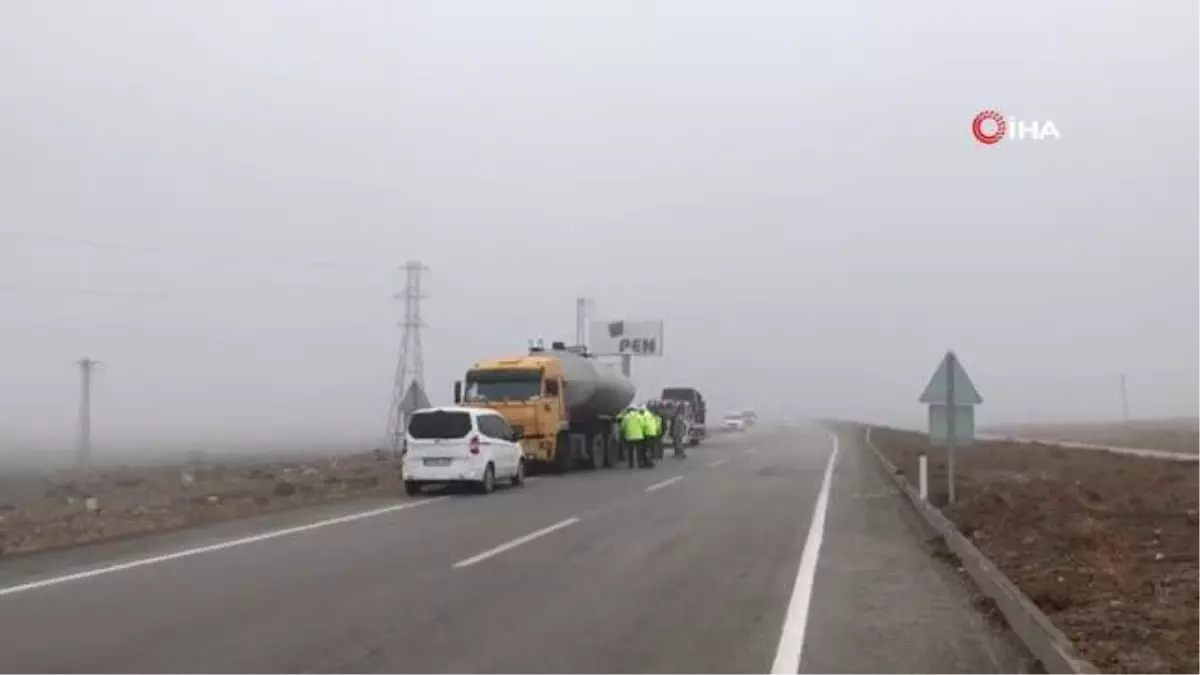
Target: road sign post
923,477
950,415
951,398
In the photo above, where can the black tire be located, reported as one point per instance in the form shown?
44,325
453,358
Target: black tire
412,488
612,450
562,453
693,441
488,484
597,449
519,479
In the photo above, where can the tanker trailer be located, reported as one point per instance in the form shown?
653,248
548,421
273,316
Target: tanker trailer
562,402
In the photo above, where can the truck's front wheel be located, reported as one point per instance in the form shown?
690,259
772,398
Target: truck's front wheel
562,453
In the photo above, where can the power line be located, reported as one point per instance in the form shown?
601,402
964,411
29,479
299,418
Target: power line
142,327
173,293
46,290
116,246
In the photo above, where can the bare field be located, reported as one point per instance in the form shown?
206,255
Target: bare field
1105,544
49,511
1173,435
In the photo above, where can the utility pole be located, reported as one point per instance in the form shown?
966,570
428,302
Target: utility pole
410,353
1124,399
87,366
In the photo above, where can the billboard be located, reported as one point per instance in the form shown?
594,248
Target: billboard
635,338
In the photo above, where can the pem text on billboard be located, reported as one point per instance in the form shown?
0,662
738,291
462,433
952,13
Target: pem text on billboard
635,338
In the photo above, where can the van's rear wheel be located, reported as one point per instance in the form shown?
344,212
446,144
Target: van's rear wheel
518,478
412,488
488,483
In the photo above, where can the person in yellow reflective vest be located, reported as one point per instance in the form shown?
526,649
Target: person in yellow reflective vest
650,428
656,433
631,432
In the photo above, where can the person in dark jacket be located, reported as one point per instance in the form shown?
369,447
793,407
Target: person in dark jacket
679,431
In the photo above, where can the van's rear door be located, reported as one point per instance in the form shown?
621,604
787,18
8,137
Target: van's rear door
438,437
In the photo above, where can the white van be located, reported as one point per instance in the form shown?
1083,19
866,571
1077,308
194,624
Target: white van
456,444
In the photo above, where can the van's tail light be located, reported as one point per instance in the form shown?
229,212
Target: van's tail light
404,447
474,445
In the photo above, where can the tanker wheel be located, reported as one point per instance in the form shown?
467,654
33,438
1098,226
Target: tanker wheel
596,450
562,453
612,450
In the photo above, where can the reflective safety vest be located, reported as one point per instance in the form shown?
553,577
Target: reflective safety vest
631,427
650,424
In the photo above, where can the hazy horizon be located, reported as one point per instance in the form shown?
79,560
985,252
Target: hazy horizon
214,199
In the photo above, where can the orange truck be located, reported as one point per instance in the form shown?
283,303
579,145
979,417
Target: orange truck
562,401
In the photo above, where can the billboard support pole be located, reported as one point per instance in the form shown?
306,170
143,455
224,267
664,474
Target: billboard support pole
580,321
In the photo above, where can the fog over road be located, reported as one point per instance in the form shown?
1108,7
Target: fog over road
694,566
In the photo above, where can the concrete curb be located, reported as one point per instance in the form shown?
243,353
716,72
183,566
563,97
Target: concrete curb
1046,642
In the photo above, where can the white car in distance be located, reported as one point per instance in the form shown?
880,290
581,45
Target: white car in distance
734,423
457,444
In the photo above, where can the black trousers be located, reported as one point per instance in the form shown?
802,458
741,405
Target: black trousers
642,452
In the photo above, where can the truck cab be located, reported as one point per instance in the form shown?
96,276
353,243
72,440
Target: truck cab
527,391
560,402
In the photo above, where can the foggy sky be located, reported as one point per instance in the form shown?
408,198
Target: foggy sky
792,186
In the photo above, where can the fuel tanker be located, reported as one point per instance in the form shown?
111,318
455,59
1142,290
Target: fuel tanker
562,402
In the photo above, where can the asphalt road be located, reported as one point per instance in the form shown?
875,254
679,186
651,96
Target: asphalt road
703,565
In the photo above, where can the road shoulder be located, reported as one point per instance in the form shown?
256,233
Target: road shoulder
881,602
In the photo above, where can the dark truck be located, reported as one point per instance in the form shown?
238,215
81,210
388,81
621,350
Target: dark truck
696,428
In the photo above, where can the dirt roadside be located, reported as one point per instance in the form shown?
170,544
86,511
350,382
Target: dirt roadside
1174,435
1105,544
39,513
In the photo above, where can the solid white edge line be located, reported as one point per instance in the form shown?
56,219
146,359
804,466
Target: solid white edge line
718,462
213,547
791,640
663,484
515,543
